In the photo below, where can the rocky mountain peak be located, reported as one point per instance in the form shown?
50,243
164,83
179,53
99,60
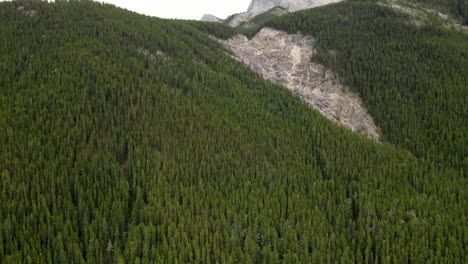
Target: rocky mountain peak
257,7
262,5
210,18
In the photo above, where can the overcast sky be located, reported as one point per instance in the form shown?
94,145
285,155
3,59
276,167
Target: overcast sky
184,9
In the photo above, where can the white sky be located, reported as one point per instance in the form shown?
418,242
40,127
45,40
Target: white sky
183,9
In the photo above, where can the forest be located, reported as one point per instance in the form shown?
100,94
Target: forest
413,79
133,139
456,8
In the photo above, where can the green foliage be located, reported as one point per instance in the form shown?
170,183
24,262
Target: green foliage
130,139
260,19
229,19
217,30
223,31
248,29
456,8
413,79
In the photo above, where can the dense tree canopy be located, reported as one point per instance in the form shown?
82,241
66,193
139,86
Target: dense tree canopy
413,78
456,8
130,139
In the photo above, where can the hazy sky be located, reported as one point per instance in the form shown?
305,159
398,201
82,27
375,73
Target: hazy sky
184,9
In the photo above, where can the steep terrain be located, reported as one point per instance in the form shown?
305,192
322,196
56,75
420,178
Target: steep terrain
286,59
131,139
456,9
210,18
422,15
412,77
257,7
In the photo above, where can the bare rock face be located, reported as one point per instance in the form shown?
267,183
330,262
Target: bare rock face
261,6
286,60
258,6
240,18
210,18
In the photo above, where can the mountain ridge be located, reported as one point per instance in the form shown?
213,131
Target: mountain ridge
257,7
210,18
132,139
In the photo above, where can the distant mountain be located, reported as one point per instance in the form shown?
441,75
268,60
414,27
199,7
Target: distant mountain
210,18
257,7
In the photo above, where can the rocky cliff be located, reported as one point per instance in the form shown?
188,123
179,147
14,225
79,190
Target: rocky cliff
210,18
286,60
260,6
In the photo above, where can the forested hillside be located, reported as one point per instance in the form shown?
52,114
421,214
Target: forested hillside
456,8
413,78
131,139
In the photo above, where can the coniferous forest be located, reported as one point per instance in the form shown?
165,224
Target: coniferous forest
456,8
414,79
132,139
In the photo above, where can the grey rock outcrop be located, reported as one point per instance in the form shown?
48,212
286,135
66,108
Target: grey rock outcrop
210,18
286,60
260,6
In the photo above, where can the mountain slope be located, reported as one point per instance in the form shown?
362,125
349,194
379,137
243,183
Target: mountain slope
127,139
210,18
286,59
455,8
412,78
258,7
411,75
